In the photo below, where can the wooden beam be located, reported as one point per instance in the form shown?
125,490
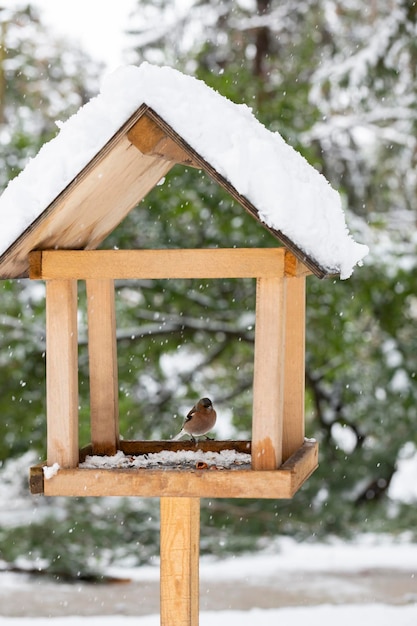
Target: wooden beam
148,137
294,377
111,264
102,350
139,447
180,539
62,373
302,464
268,390
205,483
203,445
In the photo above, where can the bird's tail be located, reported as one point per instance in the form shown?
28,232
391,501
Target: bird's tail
180,434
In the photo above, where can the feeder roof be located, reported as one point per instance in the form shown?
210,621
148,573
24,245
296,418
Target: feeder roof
118,146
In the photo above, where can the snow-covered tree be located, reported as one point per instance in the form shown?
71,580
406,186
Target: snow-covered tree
366,91
337,79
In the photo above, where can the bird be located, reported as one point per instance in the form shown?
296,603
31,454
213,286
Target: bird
199,421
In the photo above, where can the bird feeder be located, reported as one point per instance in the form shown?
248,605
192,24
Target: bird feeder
129,139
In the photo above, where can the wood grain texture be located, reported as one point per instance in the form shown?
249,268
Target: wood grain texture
36,480
175,263
62,373
205,445
102,353
302,464
268,382
272,484
179,565
294,267
294,367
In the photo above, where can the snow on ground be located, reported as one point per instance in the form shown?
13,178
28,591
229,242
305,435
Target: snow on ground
368,551
367,554
290,195
282,560
326,615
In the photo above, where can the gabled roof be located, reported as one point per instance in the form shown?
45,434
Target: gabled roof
146,119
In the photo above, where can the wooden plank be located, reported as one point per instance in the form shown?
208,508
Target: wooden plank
62,373
102,351
93,203
171,482
179,565
294,377
205,445
268,389
271,484
200,263
148,137
302,464
281,483
36,479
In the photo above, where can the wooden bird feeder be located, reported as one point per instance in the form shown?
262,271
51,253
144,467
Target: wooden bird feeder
59,247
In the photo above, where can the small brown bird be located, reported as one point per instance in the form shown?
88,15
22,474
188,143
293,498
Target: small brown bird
199,421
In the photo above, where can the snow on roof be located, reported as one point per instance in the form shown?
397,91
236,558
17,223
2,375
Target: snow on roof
289,194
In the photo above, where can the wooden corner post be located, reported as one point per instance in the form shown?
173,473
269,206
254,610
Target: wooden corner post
180,549
62,373
268,383
294,383
102,351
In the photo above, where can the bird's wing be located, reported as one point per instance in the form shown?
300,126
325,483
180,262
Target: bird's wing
190,414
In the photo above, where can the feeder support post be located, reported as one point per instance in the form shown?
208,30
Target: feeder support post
180,549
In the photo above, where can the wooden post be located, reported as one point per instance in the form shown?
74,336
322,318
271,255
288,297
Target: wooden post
62,373
180,539
102,350
294,379
268,383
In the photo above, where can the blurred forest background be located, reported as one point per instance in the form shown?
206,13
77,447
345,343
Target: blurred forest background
337,78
